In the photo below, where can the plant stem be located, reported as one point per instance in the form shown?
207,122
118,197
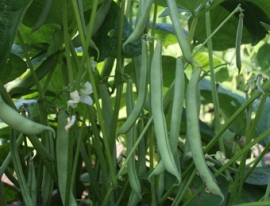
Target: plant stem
238,8
67,41
95,94
30,65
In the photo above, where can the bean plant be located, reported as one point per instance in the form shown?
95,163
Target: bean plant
158,102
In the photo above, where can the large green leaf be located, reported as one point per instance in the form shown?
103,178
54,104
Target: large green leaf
11,13
205,198
55,14
263,59
259,176
14,67
229,101
254,11
264,122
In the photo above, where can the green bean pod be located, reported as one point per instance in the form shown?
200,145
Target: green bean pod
32,181
101,13
131,169
16,121
142,92
28,81
238,41
179,31
177,108
62,148
134,199
141,22
194,136
107,68
14,150
156,90
141,149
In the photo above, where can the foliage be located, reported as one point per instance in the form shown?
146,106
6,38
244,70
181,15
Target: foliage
63,65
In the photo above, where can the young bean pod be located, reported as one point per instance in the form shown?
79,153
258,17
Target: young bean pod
142,92
238,41
156,89
142,20
194,137
131,169
179,31
12,118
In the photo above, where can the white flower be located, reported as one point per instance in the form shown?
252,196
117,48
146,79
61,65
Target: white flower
93,63
220,156
70,122
82,96
75,98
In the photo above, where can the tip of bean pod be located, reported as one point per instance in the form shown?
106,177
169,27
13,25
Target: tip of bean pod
222,199
178,181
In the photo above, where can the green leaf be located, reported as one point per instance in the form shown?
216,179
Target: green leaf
106,37
264,122
11,194
253,32
205,198
229,101
11,13
262,58
259,176
54,15
14,67
266,26
165,33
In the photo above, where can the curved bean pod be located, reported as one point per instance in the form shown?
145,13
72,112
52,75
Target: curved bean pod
142,92
194,136
177,108
12,118
179,31
156,89
140,24
238,41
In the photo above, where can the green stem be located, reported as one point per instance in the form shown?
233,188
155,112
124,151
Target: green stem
185,187
258,159
238,8
192,29
250,133
19,170
235,115
8,158
231,161
67,41
30,65
224,127
95,94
